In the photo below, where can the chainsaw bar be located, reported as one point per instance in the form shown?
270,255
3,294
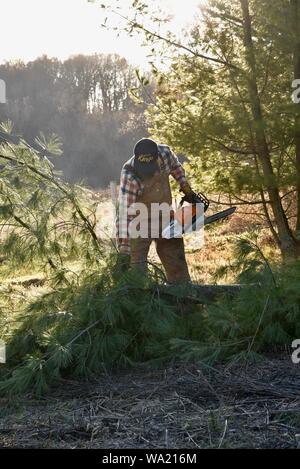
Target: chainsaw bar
176,230
219,215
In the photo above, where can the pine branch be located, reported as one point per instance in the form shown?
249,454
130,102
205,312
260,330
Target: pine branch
69,195
174,43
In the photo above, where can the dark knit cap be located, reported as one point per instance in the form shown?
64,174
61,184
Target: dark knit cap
146,146
145,158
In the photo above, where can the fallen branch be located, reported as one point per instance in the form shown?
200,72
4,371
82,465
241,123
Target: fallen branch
203,294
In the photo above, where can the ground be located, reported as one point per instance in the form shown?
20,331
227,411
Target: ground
229,406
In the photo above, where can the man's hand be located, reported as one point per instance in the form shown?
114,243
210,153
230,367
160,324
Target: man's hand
192,198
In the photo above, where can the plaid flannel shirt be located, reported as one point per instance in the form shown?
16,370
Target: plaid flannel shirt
131,187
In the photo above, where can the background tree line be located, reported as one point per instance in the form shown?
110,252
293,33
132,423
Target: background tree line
84,100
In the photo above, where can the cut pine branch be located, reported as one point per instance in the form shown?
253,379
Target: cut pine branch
204,294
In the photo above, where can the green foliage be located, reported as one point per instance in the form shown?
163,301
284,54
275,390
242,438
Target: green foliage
208,106
265,314
89,326
249,262
41,217
99,323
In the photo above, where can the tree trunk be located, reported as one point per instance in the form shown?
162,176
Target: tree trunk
295,17
289,246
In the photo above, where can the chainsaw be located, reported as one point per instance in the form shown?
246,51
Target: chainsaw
188,219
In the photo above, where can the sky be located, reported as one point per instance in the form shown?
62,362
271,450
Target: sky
60,28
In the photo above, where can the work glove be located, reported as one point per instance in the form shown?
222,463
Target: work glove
192,198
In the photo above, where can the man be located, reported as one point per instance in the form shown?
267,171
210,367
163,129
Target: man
145,179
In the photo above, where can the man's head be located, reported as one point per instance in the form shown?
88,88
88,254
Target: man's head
146,158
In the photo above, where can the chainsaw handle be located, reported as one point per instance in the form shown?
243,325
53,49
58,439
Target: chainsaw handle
200,199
